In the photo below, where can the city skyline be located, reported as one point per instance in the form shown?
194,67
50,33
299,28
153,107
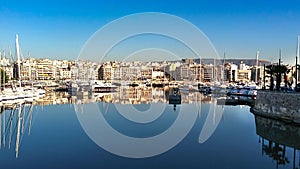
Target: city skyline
58,29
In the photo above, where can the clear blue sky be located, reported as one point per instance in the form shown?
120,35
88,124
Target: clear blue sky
59,28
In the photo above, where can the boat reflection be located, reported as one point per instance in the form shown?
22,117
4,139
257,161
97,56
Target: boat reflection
174,97
276,137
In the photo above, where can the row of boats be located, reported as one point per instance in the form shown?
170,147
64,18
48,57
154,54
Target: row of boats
81,88
230,91
18,95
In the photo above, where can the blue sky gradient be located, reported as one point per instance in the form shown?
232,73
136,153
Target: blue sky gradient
59,28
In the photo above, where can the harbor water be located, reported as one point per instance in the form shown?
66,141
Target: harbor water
54,135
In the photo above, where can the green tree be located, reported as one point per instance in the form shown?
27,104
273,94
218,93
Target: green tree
270,69
277,71
3,77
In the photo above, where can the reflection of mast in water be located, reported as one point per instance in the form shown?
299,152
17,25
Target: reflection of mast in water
30,119
199,104
18,131
2,118
212,120
11,126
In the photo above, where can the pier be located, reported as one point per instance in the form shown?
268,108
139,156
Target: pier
278,105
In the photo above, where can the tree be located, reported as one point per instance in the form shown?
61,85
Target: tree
3,77
270,69
277,71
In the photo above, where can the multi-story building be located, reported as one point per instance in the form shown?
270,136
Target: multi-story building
209,73
28,69
243,75
6,66
183,72
106,72
146,72
197,72
257,73
230,72
130,72
84,70
45,69
63,70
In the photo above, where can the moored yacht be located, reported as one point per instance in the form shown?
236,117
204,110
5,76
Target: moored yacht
100,87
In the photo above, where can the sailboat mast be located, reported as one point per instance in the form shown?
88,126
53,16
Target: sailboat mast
223,80
279,62
18,55
200,70
297,58
256,75
215,71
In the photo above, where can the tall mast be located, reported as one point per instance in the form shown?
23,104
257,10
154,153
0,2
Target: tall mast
223,77
200,69
18,55
256,75
279,62
10,57
215,72
297,58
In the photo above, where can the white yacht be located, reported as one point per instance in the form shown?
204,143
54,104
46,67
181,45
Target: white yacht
101,87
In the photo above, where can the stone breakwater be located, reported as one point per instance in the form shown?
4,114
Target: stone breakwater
278,105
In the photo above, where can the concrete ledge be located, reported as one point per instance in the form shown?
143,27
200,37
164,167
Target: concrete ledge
278,105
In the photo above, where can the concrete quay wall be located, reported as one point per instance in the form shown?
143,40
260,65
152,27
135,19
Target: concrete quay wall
278,105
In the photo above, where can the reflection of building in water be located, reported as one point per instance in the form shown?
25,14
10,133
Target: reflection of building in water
126,95
54,98
276,138
132,95
13,124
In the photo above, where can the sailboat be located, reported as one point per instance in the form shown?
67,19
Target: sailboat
28,94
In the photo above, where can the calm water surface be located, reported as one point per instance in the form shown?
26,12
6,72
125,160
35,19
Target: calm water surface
52,137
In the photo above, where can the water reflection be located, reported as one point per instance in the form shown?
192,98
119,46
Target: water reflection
14,121
279,142
276,137
132,95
